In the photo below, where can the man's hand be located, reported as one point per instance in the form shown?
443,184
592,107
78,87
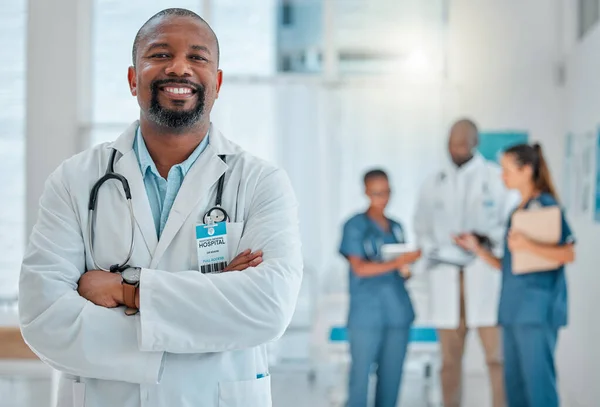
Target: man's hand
405,272
244,260
102,288
468,242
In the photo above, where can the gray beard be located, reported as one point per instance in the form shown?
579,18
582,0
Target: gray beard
174,119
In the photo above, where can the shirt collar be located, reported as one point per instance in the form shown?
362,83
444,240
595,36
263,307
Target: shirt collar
473,163
146,162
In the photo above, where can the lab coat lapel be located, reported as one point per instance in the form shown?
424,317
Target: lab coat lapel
475,177
462,191
450,194
461,199
128,166
203,175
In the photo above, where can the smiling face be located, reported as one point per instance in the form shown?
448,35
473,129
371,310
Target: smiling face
176,77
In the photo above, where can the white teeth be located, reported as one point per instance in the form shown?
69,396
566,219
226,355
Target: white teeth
179,91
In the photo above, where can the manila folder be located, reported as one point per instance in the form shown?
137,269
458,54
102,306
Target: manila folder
542,225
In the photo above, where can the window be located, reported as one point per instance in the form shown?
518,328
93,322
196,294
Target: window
589,11
299,32
12,143
367,37
286,63
287,13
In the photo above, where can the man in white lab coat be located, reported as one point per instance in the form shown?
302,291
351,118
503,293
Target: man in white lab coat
465,196
186,319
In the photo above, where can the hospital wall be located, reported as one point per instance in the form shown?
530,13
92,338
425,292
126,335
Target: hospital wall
579,353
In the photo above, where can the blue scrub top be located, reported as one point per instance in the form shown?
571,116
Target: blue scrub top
380,301
537,298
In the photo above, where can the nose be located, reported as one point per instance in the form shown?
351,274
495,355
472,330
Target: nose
179,66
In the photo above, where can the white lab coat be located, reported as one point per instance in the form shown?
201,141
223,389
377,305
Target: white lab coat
199,339
452,201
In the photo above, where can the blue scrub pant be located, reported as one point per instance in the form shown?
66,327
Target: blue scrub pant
529,373
385,348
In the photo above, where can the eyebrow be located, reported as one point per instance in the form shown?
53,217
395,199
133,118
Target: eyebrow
157,45
201,48
165,45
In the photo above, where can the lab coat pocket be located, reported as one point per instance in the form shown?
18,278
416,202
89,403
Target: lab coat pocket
234,235
248,393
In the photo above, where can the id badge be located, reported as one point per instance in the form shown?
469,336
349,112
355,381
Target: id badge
211,245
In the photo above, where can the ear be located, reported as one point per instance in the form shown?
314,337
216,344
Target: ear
219,82
131,78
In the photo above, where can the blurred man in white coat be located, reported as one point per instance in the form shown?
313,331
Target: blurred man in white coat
467,196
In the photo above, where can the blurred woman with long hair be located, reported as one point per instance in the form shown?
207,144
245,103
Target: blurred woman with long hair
533,306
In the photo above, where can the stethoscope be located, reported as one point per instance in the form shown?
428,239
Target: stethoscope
215,214
442,177
372,248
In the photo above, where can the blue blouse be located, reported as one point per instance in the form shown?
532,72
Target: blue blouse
538,298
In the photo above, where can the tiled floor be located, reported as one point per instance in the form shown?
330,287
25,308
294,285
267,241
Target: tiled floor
294,390
290,389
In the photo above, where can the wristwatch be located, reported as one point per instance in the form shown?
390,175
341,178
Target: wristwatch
131,282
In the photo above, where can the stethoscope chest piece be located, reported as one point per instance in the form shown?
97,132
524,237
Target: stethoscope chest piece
215,214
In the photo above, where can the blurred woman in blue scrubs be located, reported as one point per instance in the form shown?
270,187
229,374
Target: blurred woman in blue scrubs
533,307
381,311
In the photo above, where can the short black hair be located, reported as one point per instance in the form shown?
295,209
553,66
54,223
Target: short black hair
376,173
178,12
470,123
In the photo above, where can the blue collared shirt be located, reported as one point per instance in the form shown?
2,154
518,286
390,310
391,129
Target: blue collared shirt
162,192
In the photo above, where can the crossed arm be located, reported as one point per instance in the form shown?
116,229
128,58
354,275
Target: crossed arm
106,290
78,337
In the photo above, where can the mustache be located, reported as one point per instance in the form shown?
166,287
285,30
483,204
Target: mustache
154,85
